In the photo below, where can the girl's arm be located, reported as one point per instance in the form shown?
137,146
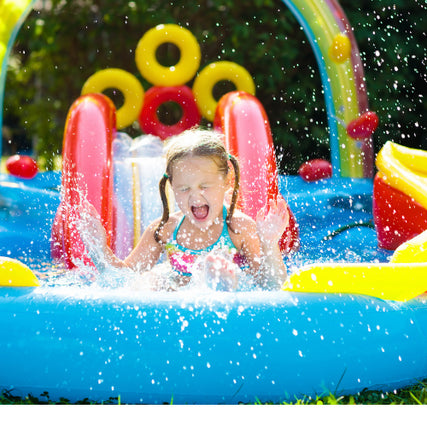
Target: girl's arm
147,252
271,223
94,237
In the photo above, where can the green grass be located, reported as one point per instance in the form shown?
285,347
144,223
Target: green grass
415,395
8,398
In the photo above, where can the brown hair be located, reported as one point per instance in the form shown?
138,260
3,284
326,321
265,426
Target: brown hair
197,143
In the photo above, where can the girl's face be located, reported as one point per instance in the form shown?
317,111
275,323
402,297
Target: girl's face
199,189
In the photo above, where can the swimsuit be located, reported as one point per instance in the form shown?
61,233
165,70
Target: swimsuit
182,259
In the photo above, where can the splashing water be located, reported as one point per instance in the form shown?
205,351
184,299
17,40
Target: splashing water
320,211
207,277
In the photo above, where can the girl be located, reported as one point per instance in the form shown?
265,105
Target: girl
204,228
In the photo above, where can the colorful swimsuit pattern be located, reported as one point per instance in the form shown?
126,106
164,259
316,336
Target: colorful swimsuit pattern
183,259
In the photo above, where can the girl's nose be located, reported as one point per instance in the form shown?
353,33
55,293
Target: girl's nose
196,196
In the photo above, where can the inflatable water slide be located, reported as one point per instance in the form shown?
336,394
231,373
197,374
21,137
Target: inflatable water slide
90,170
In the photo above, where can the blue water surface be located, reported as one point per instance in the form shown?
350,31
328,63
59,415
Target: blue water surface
334,218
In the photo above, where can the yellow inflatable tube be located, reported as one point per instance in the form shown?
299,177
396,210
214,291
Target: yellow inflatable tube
15,273
129,85
404,169
385,281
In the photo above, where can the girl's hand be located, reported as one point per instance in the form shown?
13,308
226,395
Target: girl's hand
90,225
221,274
93,234
272,221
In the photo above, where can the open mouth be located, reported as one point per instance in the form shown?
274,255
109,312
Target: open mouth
200,212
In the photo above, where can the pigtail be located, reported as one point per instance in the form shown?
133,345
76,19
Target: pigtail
165,216
235,195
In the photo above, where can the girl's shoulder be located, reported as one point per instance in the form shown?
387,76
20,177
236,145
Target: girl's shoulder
242,223
168,228
174,220
243,233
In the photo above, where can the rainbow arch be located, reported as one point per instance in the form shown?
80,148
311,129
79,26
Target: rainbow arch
343,82
344,85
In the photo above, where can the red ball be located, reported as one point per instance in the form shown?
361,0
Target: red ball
364,126
22,166
315,169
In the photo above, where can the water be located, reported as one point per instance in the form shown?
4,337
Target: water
197,344
334,218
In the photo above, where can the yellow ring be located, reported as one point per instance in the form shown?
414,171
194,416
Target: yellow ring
129,85
180,73
212,74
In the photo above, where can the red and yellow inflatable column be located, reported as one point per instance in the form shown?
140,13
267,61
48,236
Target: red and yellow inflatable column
87,173
400,194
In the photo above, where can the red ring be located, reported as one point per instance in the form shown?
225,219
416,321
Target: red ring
157,95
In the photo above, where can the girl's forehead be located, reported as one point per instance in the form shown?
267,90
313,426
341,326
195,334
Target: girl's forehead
195,164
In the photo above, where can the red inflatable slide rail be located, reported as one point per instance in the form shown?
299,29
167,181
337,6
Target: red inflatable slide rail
243,120
87,170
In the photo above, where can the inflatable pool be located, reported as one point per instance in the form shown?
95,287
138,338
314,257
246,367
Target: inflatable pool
210,347
80,340
352,315
221,348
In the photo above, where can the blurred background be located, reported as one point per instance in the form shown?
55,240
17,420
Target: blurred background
62,43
